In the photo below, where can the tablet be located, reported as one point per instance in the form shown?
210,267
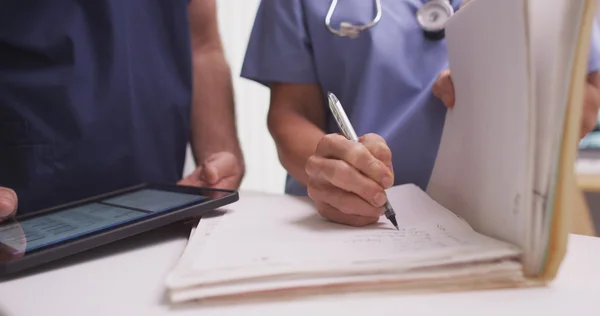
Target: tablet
33,239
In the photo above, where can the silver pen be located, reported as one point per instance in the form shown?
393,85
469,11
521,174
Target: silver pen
346,127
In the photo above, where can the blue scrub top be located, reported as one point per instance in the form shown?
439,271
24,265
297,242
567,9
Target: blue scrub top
94,96
383,78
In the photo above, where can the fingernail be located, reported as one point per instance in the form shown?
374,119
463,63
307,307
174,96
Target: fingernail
387,182
6,207
379,199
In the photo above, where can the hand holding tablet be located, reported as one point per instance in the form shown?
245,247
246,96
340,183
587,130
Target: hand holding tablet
33,239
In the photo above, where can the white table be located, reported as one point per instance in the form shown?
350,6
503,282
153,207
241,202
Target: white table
127,279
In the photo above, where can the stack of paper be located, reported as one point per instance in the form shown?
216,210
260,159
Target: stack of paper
278,243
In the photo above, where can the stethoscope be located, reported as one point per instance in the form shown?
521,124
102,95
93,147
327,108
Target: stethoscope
432,18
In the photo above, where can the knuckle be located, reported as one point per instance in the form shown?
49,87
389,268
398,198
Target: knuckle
375,137
327,138
330,139
368,191
375,165
357,149
311,164
357,153
324,143
382,152
328,143
343,167
371,135
340,172
336,137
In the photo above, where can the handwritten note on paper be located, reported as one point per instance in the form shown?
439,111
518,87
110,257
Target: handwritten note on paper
269,237
409,239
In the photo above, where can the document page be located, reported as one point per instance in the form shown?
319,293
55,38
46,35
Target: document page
183,274
482,171
285,235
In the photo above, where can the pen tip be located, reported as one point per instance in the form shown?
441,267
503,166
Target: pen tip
394,222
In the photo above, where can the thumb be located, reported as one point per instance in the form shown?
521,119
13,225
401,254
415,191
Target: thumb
211,173
8,202
219,166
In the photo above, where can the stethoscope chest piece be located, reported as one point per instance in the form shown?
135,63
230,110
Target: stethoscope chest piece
433,16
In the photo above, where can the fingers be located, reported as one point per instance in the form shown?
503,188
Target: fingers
443,88
8,203
345,203
367,203
378,147
356,155
333,214
194,179
591,104
341,175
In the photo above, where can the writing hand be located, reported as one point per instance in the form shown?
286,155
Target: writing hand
347,179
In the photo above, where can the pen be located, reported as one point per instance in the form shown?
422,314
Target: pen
346,127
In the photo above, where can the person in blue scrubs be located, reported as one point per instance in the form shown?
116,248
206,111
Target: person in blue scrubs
384,78
100,95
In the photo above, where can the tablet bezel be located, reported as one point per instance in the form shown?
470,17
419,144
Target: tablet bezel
216,198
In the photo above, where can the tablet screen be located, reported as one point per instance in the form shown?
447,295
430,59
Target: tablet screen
40,231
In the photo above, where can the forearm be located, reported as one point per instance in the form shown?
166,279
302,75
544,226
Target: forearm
296,139
213,112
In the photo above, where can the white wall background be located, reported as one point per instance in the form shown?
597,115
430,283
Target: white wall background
263,169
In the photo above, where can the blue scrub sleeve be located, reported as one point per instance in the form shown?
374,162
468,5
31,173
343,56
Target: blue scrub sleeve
594,59
279,47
